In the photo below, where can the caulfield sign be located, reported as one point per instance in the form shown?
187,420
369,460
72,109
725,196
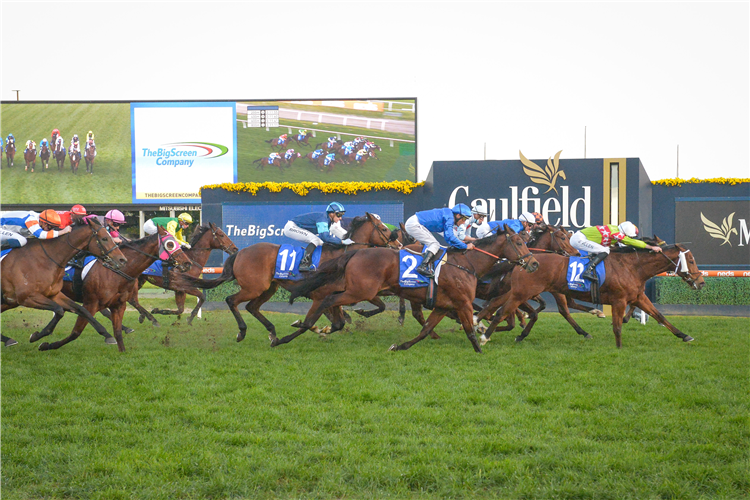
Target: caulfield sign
717,229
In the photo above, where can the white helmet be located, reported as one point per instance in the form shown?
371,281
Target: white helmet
527,217
628,229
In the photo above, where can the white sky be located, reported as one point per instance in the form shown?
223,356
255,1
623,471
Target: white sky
642,78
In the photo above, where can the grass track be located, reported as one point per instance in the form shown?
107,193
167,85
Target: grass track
189,413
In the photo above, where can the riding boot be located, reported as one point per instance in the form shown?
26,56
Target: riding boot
424,268
306,261
594,260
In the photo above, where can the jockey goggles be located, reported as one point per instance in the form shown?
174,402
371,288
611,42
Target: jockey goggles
339,214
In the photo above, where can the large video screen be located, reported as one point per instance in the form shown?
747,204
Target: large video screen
163,152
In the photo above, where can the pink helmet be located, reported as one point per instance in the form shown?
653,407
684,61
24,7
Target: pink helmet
115,216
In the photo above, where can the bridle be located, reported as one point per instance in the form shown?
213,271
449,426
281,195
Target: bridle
217,237
167,244
104,252
520,260
686,276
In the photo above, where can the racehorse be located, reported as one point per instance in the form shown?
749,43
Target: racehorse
277,162
281,145
44,155
103,288
75,159
10,153
90,156
204,239
291,159
322,166
626,274
253,268
31,276
29,157
304,140
59,155
369,271
324,145
312,160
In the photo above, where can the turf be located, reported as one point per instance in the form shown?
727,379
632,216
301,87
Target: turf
190,413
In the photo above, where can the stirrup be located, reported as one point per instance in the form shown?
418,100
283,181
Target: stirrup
425,271
590,275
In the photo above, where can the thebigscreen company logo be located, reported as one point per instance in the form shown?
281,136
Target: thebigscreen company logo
184,153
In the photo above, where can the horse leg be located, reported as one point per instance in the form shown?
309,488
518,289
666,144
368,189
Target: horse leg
117,315
618,311
144,314
416,312
372,312
562,308
533,316
628,314
591,310
432,321
7,341
45,303
201,300
645,305
107,313
84,317
253,307
401,310
233,301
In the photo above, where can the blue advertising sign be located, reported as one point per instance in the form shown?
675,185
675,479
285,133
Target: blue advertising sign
250,223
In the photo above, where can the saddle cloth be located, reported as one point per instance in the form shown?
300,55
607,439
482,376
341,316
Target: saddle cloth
88,263
288,259
409,261
576,266
155,269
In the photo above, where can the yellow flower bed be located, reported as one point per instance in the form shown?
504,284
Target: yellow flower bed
718,180
302,188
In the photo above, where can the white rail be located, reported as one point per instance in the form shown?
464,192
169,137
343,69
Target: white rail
338,134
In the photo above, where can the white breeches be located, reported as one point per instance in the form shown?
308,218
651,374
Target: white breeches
293,231
149,227
580,242
421,234
7,236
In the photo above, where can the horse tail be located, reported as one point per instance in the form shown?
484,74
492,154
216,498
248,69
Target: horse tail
270,141
256,161
226,275
329,272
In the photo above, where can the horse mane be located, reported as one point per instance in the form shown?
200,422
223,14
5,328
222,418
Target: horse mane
480,243
139,242
197,234
356,224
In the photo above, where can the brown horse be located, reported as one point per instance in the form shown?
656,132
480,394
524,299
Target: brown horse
204,239
367,272
103,288
89,156
300,140
291,158
321,163
59,155
277,162
32,275
29,156
10,152
281,144
312,160
253,268
44,155
627,272
75,159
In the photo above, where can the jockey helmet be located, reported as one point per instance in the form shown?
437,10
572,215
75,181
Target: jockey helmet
90,133
538,217
628,229
78,210
44,141
461,210
10,136
335,207
185,217
115,216
75,137
527,217
476,211
50,217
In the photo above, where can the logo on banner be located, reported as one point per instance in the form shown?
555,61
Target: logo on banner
546,176
726,230
184,153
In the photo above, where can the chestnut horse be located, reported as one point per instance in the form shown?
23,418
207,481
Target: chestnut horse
253,267
89,156
75,159
103,288
44,155
303,140
10,153
204,239
32,275
29,157
626,274
275,142
277,162
360,276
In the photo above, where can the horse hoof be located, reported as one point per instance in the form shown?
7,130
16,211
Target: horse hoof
325,330
688,338
110,341
141,318
296,324
240,336
588,336
274,342
44,346
519,339
34,337
394,347
601,315
483,340
10,342
128,330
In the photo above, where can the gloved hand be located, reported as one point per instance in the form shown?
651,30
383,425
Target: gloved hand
186,246
347,241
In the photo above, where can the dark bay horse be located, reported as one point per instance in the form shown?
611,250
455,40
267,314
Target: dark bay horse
301,140
627,272
32,275
360,276
204,239
29,157
253,268
276,142
10,153
59,155
44,155
89,157
105,288
75,159
322,166
291,158
277,162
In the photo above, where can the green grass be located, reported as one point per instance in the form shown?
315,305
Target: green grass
406,115
111,182
190,413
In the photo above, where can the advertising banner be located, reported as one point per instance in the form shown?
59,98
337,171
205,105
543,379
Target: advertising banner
248,224
715,229
178,147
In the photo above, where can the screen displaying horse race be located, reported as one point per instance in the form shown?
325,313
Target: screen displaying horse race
164,152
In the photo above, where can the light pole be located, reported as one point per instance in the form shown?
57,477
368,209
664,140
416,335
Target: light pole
16,91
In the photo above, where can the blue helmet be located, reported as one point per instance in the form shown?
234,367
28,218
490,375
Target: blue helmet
461,209
11,136
335,207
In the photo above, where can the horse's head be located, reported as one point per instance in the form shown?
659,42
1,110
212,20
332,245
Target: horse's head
516,251
101,245
559,241
171,251
687,269
221,241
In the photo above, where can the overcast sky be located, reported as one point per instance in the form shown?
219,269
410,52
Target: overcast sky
641,78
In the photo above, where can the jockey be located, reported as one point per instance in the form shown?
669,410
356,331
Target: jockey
349,144
112,222
43,143
302,132
315,229
10,140
69,217
17,227
329,158
597,240
59,143
55,135
90,137
476,220
90,144
361,154
30,146
422,224
317,153
273,156
282,138
173,225
518,225
332,141
289,153
75,146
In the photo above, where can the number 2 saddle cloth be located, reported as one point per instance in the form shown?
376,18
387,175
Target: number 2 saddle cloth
408,277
